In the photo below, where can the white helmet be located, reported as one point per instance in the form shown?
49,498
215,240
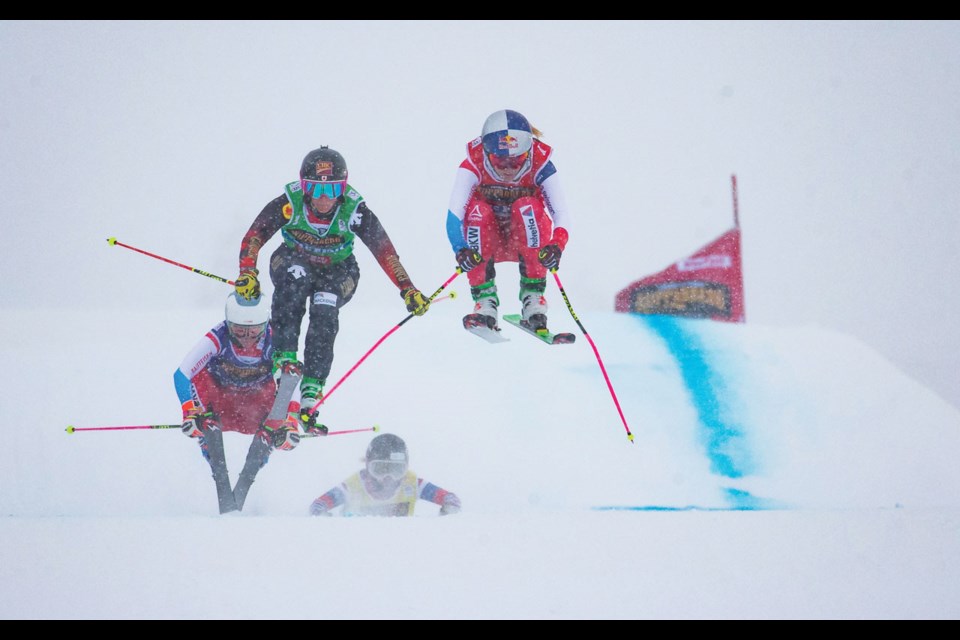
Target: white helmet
247,312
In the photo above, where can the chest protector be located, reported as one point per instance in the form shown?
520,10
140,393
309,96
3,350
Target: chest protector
232,370
326,243
359,502
503,194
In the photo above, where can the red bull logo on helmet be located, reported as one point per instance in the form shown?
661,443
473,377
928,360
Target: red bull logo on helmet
508,142
506,132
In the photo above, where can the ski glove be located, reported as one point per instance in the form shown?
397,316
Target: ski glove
195,421
451,505
284,437
550,256
416,303
247,285
319,508
468,258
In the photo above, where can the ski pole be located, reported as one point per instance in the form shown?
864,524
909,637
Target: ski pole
451,295
71,429
595,352
114,241
337,433
380,341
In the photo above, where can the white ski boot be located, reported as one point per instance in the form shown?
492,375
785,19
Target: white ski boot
484,314
534,312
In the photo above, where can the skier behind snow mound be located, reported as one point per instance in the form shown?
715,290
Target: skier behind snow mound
226,383
319,216
385,486
507,206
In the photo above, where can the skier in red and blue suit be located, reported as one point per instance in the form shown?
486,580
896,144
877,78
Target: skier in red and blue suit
226,383
507,206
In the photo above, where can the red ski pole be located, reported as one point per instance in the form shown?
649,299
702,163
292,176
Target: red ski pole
603,370
71,429
114,241
380,341
338,433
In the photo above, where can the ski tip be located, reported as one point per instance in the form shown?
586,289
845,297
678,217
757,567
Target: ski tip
111,241
69,428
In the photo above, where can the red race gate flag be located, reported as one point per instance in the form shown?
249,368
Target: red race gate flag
707,284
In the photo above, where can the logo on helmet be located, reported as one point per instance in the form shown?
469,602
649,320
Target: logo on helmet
324,168
508,142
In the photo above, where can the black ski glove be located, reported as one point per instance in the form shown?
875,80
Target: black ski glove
468,258
550,256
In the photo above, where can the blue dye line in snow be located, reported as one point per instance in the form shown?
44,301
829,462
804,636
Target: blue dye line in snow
724,441
744,501
655,507
739,501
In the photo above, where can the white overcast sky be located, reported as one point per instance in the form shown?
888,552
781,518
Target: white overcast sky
172,135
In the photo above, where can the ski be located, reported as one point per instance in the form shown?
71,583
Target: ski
218,464
477,324
260,450
289,381
545,336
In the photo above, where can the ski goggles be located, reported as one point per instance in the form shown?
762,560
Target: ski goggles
246,331
317,189
380,469
509,163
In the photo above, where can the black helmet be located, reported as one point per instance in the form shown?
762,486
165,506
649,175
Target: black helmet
387,446
387,456
323,164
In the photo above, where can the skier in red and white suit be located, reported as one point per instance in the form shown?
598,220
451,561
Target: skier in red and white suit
507,206
226,383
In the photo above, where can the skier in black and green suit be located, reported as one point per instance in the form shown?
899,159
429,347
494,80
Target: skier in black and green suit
319,216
